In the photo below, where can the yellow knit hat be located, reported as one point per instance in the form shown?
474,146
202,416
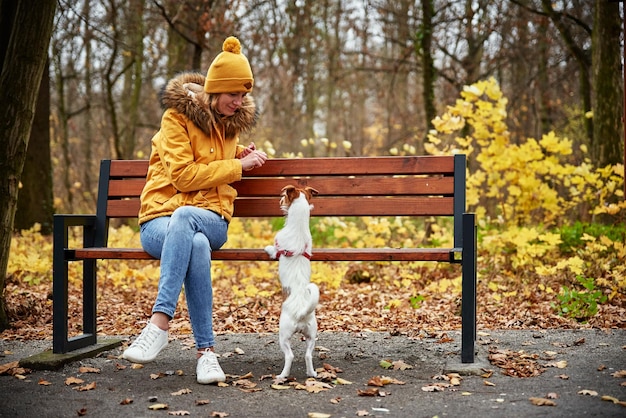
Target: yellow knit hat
230,71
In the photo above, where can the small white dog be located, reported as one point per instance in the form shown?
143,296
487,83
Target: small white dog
293,247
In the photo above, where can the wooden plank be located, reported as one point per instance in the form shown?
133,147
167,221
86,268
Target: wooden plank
322,254
337,206
432,164
439,164
346,166
126,187
349,186
351,206
327,186
129,168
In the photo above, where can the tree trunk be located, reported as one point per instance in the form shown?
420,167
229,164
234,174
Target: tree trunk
35,203
608,126
428,71
24,40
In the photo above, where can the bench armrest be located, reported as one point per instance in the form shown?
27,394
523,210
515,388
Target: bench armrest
62,223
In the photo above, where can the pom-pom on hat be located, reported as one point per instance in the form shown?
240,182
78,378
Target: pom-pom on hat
230,71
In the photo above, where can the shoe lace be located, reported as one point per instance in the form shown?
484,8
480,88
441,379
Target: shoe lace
209,362
146,338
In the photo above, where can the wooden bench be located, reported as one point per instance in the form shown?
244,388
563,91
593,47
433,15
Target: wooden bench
359,186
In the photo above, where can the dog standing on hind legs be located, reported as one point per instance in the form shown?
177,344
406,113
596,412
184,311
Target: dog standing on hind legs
293,248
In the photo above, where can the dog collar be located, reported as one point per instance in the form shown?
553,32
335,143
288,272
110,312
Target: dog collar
291,254
287,253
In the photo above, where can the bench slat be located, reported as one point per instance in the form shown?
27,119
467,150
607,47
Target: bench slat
347,166
346,186
351,206
339,166
327,186
322,254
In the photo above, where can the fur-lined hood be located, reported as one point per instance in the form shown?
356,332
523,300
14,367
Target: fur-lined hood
185,94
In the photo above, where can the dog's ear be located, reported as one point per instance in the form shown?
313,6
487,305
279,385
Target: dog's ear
289,192
310,191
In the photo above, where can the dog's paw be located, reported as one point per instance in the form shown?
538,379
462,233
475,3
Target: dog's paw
271,251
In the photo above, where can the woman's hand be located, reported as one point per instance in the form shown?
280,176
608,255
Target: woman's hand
252,158
247,150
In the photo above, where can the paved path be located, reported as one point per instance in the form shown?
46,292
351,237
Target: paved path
587,359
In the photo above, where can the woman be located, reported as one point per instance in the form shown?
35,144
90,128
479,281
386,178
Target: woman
187,201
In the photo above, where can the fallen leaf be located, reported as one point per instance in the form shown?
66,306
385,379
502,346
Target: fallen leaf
552,395
332,368
5,368
455,379
155,376
244,383
317,415
85,369
340,381
126,401
383,380
202,402
136,366
488,383
280,387
563,376
558,364
435,387
158,406
601,367
487,374
588,392
90,386
181,392
609,398
542,402
219,414
81,412
314,386
385,364
401,365
44,382
362,413
367,392
178,413
73,381
619,374
579,342
239,351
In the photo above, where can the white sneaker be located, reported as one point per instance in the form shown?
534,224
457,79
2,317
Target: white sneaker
208,369
147,345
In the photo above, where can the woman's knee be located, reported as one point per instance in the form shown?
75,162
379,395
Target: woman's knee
200,245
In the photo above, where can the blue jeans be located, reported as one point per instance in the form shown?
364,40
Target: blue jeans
183,242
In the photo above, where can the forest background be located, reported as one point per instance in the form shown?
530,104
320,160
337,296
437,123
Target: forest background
530,90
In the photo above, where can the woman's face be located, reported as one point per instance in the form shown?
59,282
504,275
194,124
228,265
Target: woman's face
228,103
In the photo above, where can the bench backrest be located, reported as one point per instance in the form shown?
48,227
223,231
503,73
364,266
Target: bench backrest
350,186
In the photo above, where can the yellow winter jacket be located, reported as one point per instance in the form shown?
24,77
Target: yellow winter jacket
194,154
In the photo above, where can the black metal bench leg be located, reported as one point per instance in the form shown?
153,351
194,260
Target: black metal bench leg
468,308
61,343
59,288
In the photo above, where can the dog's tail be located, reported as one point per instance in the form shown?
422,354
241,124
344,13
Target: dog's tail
304,303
